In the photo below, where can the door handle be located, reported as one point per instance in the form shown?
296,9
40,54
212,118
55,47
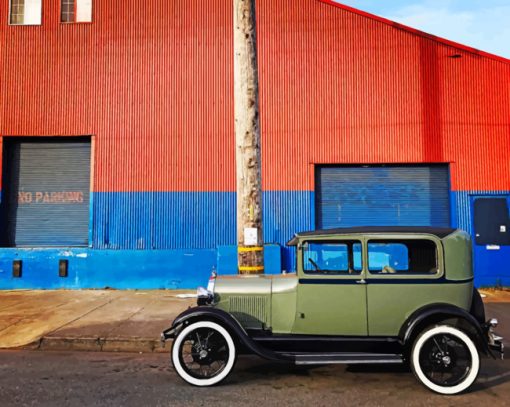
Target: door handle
361,281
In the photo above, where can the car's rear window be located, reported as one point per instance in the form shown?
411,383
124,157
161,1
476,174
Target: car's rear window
402,257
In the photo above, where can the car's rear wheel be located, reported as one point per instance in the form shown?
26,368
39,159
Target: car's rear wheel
445,360
203,353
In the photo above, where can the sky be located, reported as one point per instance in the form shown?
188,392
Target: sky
482,24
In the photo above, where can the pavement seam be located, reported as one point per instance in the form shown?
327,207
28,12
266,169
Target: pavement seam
128,318
24,318
11,305
123,321
98,340
123,335
81,316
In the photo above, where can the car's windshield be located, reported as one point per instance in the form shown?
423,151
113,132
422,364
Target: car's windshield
332,257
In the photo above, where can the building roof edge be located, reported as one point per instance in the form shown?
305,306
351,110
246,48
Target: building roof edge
417,32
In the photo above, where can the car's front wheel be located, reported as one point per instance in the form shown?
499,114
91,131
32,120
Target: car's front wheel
203,353
445,359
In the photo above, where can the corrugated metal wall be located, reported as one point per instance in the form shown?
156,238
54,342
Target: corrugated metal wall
153,82
382,196
152,79
164,220
338,87
47,188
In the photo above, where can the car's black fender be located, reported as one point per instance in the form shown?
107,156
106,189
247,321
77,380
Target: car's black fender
436,313
477,307
226,320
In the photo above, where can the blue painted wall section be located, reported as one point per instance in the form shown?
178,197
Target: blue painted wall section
174,240
381,196
461,207
121,269
227,259
286,213
124,269
492,268
163,220
492,265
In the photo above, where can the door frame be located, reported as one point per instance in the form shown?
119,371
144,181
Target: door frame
472,198
354,286
87,137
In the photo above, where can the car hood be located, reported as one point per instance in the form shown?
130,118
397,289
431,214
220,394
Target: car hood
253,284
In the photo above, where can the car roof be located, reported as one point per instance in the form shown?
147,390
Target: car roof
439,232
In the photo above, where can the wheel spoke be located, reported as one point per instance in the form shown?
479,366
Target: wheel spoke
445,360
204,353
438,347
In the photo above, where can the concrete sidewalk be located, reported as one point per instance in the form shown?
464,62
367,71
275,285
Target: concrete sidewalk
108,320
87,320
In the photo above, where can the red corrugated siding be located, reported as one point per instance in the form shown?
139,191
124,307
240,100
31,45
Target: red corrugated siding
412,30
153,81
340,87
1,158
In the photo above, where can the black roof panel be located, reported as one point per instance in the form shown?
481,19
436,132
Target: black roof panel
439,232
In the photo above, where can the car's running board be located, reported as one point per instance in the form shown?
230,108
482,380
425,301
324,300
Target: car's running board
345,358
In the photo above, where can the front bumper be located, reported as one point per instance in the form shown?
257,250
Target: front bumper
494,341
496,344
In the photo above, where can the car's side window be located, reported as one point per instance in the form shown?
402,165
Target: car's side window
402,257
332,257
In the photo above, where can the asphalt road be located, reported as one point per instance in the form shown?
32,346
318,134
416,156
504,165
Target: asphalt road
106,379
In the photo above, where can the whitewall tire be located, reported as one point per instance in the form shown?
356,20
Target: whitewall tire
445,360
203,353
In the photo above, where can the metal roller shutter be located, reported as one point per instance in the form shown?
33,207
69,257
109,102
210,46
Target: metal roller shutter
382,196
46,192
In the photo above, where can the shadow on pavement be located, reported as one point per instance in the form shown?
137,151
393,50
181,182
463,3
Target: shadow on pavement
493,372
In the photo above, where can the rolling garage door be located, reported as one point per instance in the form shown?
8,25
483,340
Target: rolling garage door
46,184
382,196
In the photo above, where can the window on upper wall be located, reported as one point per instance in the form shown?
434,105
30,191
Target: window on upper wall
76,11
25,12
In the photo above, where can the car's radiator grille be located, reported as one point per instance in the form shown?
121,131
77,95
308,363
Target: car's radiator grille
251,312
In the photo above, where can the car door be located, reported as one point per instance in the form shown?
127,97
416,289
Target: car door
331,294
403,274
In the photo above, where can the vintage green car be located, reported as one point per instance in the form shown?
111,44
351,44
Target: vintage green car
360,295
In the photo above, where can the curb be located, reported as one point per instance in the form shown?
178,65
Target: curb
128,345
